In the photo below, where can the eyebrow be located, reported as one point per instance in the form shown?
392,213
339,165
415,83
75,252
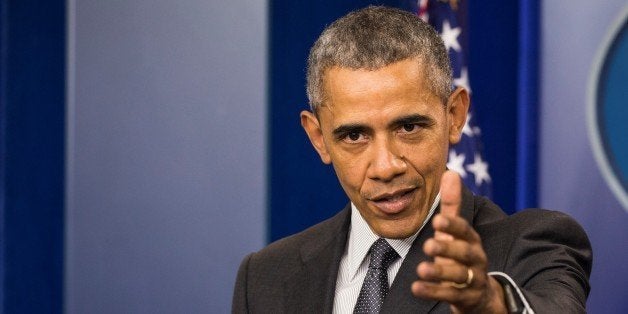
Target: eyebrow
345,129
411,119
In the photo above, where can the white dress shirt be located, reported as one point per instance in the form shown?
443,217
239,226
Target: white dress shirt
355,260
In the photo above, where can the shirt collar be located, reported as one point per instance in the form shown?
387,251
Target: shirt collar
361,237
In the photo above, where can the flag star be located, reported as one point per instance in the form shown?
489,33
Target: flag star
463,80
467,130
450,36
456,162
479,168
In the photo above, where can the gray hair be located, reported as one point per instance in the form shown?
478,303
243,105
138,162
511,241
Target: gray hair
372,38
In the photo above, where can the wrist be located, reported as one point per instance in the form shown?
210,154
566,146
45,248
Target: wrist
492,301
496,299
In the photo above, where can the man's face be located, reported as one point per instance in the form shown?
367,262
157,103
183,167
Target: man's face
387,135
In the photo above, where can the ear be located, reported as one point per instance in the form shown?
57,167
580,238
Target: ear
312,128
457,107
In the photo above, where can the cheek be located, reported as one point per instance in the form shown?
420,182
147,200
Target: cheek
427,157
349,170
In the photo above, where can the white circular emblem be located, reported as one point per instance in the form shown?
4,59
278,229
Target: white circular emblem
607,108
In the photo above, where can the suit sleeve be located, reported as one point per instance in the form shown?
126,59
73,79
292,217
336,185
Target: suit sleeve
239,303
550,263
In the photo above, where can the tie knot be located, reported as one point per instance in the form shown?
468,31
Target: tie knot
382,254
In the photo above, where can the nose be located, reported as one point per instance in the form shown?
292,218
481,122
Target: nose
386,163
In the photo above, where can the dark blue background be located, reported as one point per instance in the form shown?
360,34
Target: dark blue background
32,110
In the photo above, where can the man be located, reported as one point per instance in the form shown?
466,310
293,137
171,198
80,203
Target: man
413,240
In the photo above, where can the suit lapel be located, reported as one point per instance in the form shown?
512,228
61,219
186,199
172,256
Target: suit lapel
400,298
311,288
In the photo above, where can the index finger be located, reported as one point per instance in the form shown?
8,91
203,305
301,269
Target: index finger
450,194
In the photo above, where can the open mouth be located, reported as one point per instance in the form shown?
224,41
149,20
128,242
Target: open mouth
395,202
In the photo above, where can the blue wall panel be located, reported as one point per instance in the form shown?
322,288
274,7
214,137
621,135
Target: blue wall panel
493,44
166,144
32,111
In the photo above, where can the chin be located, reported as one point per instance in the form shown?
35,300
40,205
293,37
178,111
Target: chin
392,232
399,227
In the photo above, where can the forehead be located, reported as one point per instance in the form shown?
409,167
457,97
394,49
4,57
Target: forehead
398,88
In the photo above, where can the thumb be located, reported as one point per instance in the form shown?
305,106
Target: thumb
450,194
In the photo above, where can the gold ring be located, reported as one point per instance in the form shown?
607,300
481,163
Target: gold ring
464,284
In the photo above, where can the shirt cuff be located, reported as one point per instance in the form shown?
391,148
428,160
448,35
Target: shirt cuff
516,302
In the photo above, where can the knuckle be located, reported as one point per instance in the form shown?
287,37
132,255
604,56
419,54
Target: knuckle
468,254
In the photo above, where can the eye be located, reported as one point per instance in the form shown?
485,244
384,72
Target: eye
408,127
354,137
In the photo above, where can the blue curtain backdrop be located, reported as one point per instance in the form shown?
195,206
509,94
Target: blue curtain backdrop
303,191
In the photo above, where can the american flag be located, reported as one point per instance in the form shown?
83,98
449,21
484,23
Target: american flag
448,17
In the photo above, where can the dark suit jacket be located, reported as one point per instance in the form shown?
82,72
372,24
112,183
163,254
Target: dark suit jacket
546,253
